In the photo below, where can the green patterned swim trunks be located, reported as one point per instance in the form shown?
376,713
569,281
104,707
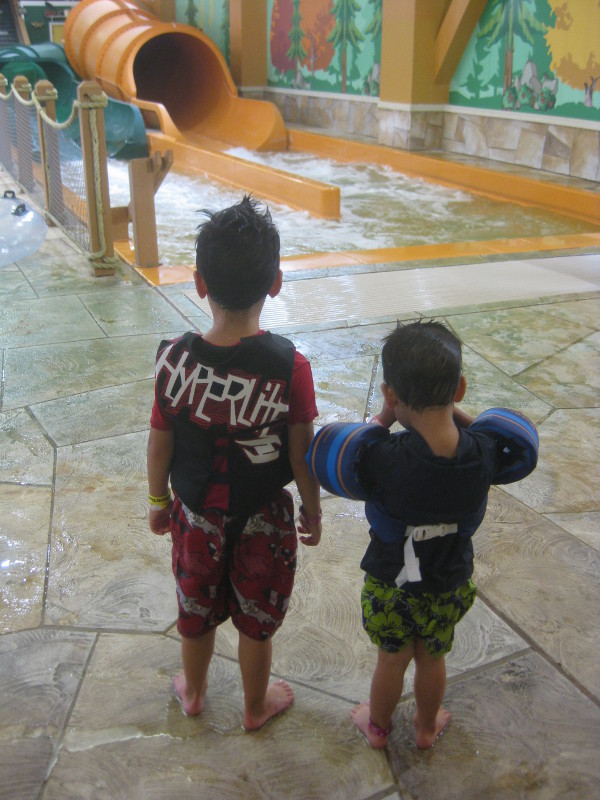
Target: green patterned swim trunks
392,617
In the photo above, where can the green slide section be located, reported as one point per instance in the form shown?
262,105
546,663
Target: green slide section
125,129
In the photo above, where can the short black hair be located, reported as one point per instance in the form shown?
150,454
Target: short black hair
422,362
237,254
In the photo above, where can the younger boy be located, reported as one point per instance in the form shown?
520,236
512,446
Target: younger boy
231,425
426,489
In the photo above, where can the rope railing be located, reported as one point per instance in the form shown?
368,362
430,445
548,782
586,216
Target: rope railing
89,109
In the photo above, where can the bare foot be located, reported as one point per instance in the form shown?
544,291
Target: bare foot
361,717
279,696
192,702
426,739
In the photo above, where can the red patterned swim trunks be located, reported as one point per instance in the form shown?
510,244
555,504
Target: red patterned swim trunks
247,576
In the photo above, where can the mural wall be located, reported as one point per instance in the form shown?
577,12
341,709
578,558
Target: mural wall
211,16
325,45
535,56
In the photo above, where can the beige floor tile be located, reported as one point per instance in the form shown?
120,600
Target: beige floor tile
585,526
106,568
518,730
34,375
567,477
570,378
87,593
26,455
583,312
24,525
514,339
115,411
131,738
42,321
341,387
40,673
545,581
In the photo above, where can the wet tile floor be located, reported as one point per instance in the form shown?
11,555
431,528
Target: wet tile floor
88,646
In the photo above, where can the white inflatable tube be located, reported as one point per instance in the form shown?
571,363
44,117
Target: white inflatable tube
22,230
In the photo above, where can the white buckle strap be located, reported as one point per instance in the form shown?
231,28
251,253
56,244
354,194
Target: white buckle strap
411,571
421,532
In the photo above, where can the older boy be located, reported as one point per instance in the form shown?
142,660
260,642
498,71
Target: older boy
231,425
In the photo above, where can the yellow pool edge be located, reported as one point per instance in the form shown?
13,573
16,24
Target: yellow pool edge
504,186
165,276
535,190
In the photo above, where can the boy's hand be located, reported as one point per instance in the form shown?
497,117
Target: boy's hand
310,526
387,415
160,519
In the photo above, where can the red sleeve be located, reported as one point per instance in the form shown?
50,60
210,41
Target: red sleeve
303,406
158,419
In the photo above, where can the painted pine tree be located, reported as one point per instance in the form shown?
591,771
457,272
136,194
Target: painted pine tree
345,33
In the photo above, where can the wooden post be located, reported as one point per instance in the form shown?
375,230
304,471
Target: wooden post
93,150
53,188
5,139
145,176
24,141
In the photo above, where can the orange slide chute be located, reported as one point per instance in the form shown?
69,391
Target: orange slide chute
174,73
180,81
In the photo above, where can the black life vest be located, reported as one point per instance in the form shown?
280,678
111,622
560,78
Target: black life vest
231,401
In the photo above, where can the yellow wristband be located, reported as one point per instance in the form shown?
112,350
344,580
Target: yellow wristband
159,502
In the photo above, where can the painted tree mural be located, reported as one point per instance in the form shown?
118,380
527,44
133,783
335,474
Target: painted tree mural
191,14
510,18
311,41
345,33
580,69
296,53
373,29
318,22
225,31
281,24
475,81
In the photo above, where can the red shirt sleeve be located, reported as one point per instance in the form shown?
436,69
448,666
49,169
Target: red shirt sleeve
158,419
302,405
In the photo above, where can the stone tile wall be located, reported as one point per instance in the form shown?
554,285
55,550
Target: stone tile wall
570,150
546,145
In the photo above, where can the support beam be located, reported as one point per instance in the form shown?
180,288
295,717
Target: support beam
408,35
421,46
453,36
248,42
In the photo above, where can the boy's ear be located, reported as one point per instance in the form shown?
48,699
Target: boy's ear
461,389
276,286
389,395
201,287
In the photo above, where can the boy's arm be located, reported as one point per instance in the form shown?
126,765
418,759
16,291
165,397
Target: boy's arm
161,444
300,435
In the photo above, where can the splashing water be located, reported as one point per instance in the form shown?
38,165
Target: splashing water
379,208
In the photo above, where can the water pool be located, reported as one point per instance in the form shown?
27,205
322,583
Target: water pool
379,208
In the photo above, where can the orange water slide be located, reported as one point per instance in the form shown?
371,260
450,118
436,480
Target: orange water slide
180,81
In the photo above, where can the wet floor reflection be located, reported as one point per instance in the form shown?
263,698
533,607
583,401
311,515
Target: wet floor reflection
87,646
